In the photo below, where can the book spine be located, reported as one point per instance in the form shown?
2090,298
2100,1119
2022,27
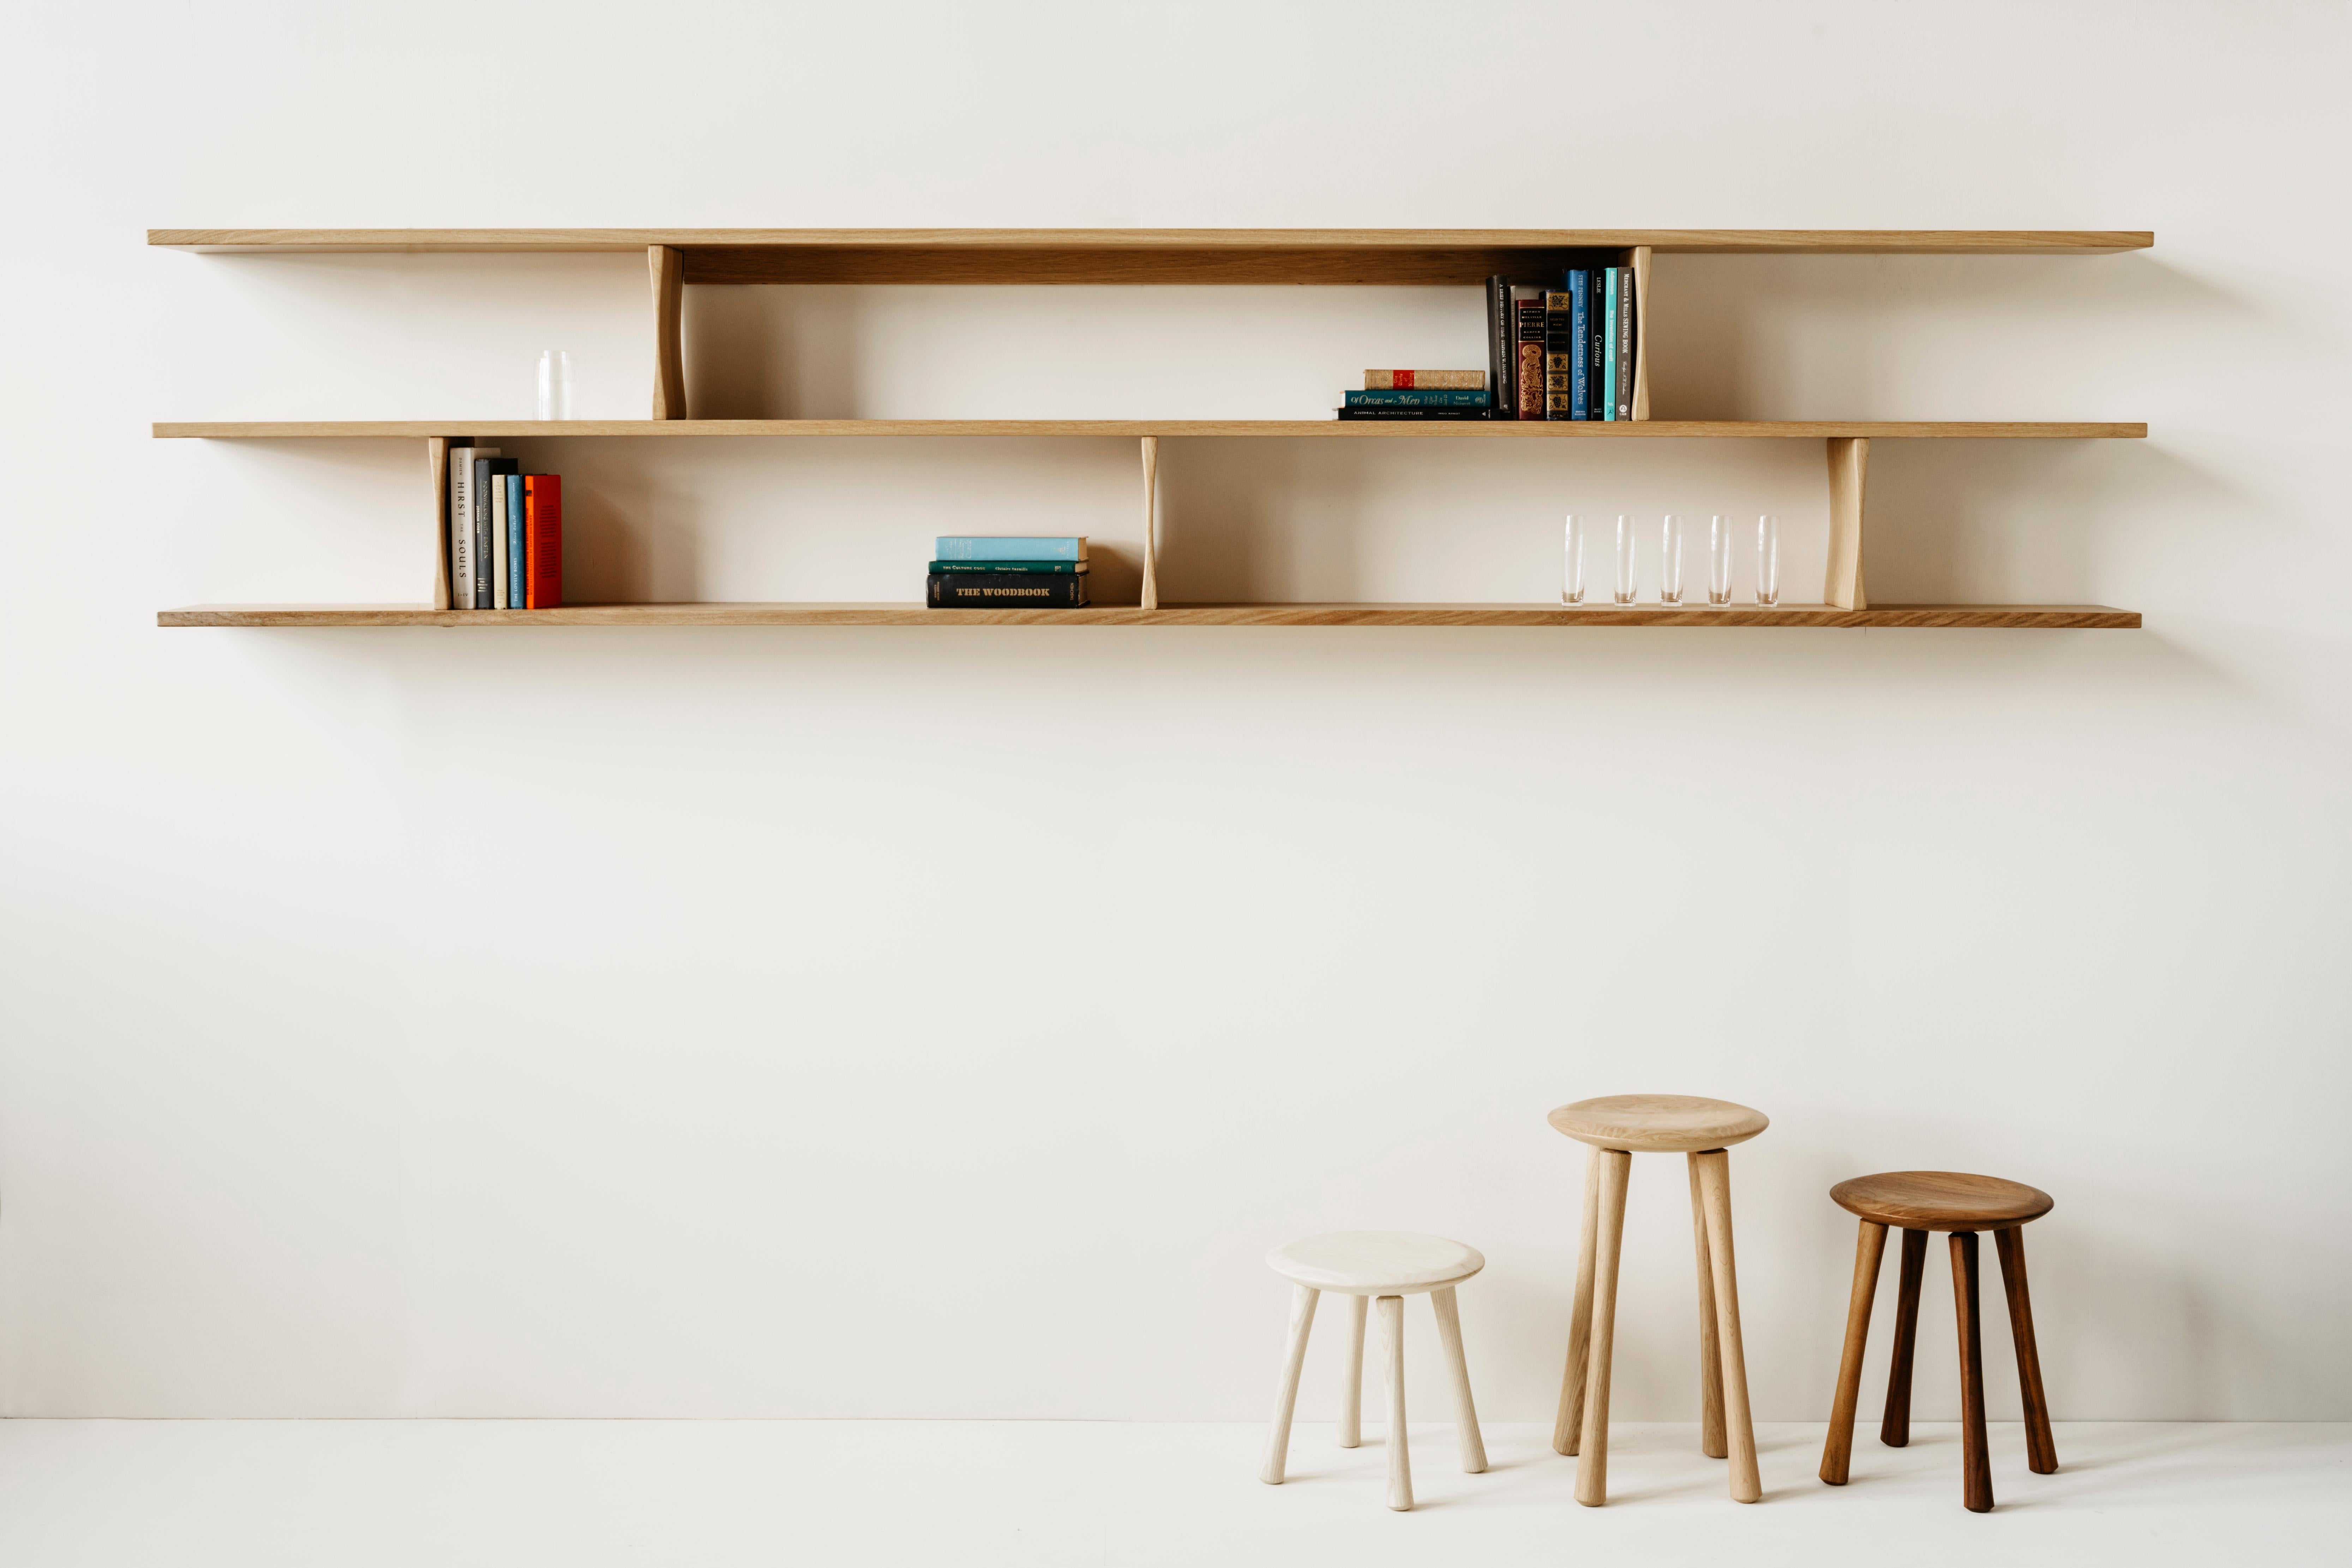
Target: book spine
1009,547
1560,354
1608,346
1053,568
543,509
1402,399
1501,353
481,507
1004,591
1440,413
501,574
461,527
1579,332
1404,380
1596,309
1625,329
515,549
1527,306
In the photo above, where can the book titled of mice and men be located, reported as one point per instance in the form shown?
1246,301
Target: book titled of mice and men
1007,572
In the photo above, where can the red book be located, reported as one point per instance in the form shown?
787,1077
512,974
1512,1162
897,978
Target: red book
542,541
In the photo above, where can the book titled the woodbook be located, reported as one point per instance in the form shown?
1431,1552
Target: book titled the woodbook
1005,591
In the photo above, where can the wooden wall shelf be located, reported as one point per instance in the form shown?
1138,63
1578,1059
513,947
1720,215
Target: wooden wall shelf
1533,430
915,614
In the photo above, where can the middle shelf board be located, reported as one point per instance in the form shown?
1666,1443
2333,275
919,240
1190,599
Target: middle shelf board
1800,429
828,614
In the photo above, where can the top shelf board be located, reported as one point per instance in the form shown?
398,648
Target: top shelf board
1322,256
1809,429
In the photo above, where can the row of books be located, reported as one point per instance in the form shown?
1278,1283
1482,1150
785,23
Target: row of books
506,533
1007,572
1552,353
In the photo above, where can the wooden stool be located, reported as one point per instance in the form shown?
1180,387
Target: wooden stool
1918,1201
1389,1265
1619,1127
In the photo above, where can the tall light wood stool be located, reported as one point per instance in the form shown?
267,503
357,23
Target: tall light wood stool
1618,1127
1916,1202
1364,1266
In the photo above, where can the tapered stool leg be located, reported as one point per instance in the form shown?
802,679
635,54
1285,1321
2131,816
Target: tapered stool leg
2040,1448
1568,1426
1976,1463
1392,1364
1715,1190
1286,1399
1894,1429
1466,1413
1710,1356
1837,1454
1592,1459
1352,1390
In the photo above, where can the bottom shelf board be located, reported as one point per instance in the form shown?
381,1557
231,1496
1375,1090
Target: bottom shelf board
825,614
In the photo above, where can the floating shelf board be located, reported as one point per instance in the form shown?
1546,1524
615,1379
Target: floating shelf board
1275,256
2079,616
1503,429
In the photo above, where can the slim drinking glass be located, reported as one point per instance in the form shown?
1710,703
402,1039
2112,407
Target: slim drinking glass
1571,583
1767,560
1624,559
1718,559
554,385
1670,563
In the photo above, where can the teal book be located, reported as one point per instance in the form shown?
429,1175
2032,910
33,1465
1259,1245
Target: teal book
516,577
1609,356
1042,568
1009,547
1426,397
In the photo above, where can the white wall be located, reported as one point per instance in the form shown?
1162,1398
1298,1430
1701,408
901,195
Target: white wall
874,1022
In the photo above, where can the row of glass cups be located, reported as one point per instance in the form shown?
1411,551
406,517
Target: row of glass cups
1721,531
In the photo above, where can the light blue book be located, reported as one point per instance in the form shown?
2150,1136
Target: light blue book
516,582
1009,547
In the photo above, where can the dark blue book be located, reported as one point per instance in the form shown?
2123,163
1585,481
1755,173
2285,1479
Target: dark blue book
1579,386
1412,397
486,471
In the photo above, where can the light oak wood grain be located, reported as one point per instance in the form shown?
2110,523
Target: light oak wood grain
1849,466
1837,1452
1715,1190
844,614
1593,1453
1638,258
1658,1123
667,264
436,468
1710,1350
1568,1426
1285,1399
1352,1387
1334,430
1151,523
1457,1366
1400,1489
1376,1262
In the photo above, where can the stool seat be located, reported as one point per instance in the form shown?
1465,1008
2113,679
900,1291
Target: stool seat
1375,1262
1941,1200
1658,1123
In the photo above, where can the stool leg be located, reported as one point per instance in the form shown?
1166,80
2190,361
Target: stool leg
1976,1463
1465,1414
1710,1356
2040,1448
1278,1445
1837,1454
1392,1359
1351,1391
1715,1189
1592,1462
1894,1430
1568,1426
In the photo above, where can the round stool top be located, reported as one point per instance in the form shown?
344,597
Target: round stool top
1658,1123
1375,1262
1941,1200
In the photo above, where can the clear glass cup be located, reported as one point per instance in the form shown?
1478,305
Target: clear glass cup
1718,559
1767,560
1670,562
1571,582
1624,559
554,385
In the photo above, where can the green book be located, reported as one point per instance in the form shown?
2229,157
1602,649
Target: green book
1609,359
1060,568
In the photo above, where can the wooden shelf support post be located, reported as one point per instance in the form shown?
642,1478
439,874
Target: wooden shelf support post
436,468
1151,526
1638,258
1849,465
667,264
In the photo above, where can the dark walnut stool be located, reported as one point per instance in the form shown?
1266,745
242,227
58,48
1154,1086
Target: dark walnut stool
1916,1202
1616,1128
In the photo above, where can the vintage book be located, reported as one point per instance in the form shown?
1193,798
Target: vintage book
516,527
461,523
1580,332
1528,310
485,560
1608,354
1004,591
1625,333
1500,353
1378,413
542,508
1559,352
1416,399
1009,547
1057,568
1596,373
1401,380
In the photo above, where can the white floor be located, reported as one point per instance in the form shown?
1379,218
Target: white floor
584,1493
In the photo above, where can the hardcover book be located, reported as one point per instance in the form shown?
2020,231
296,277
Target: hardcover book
1416,399
486,559
1378,413
517,527
1625,335
461,523
1057,568
1401,380
542,502
1607,353
1596,344
1579,332
1501,353
501,524
1560,354
1528,310
1004,591
1009,547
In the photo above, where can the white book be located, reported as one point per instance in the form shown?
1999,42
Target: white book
498,552
461,524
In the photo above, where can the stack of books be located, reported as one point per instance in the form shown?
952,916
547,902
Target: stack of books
1565,352
1007,572
506,533
1420,395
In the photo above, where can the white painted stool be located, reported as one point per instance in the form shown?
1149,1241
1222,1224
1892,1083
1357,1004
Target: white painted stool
1389,1265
